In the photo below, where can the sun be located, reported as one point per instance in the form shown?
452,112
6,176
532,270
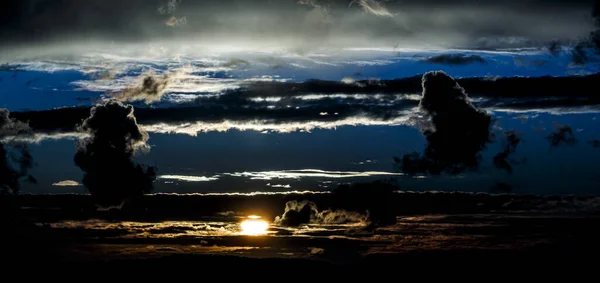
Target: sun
254,226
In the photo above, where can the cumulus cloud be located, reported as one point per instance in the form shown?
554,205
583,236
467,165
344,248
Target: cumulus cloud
456,131
373,7
13,151
105,156
510,142
455,59
306,212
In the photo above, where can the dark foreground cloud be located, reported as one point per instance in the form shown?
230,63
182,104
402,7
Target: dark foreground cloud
456,132
105,156
455,59
12,152
511,139
562,135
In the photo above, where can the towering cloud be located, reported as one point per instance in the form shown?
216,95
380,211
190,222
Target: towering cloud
105,156
9,175
456,131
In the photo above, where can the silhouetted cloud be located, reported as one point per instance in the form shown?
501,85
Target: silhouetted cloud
510,141
455,59
10,176
105,156
306,212
562,135
457,131
595,143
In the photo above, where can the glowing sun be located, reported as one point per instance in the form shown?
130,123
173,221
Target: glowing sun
253,226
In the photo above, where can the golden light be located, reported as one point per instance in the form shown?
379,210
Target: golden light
253,226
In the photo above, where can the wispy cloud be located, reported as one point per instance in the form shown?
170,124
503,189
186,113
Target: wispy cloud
308,173
67,183
189,178
373,7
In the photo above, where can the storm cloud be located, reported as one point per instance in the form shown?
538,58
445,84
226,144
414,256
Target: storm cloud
68,26
105,156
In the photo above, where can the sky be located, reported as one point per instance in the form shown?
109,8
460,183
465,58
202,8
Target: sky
243,96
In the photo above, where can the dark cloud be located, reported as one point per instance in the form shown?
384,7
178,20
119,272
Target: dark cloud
105,156
511,139
10,176
455,59
595,143
366,203
562,135
306,212
342,22
457,132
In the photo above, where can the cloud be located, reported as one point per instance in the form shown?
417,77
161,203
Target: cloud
562,135
67,183
511,140
455,59
308,173
175,22
467,23
105,156
189,178
150,89
373,7
13,151
296,106
305,212
456,131
169,7
595,143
